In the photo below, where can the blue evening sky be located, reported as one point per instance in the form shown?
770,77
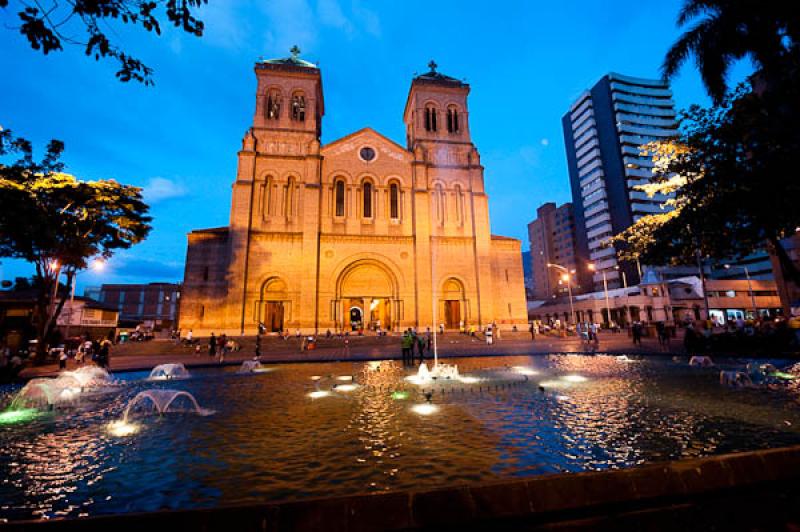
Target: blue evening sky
526,62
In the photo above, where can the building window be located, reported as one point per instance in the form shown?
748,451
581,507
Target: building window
273,109
339,193
298,106
205,273
452,119
459,205
440,204
430,118
394,201
288,198
366,190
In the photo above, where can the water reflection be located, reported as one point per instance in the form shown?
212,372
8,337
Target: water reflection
301,432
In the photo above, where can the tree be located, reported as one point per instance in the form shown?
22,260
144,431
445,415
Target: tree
734,171
49,24
767,32
58,223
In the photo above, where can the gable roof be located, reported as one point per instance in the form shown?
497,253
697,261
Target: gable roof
362,131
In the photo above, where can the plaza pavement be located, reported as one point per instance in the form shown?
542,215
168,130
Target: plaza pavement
146,355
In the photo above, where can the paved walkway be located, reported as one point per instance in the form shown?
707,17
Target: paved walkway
144,356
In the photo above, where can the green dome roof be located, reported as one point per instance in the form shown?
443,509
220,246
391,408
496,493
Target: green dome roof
293,60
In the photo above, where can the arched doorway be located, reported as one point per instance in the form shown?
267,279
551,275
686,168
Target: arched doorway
366,297
453,303
274,303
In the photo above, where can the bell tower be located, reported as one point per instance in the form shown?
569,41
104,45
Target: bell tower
289,95
436,111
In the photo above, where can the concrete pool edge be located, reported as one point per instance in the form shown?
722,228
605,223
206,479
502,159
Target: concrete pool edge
756,488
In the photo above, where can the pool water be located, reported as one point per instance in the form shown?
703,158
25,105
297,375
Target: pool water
269,440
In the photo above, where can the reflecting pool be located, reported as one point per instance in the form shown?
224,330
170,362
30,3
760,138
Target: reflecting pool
304,430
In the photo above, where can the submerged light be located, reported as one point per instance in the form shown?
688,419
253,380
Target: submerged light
346,387
574,378
22,415
344,378
425,409
399,395
468,380
522,370
122,428
319,393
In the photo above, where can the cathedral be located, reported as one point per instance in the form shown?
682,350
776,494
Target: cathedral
359,233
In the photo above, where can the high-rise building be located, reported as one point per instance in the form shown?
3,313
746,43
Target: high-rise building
552,240
604,131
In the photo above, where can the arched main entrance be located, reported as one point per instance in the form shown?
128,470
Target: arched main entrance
366,297
453,303
274,304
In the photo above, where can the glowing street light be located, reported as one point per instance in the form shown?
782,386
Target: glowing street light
566,278
593,268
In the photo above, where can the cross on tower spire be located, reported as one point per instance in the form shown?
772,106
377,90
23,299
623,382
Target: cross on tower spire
295,51
433,65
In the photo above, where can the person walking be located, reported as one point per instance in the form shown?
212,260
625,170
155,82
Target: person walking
222,346
212,346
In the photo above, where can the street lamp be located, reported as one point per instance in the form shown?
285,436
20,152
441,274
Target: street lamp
97,265
566,277
593,268
749,288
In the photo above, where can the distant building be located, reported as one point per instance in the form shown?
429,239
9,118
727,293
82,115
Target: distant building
154,304
603,133
79,316
552,241
671,301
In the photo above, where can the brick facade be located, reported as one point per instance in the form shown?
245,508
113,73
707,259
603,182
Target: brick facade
358,232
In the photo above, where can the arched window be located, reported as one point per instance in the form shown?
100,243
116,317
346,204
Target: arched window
288,198
440,203
430,117
273,109
452,119
339,197
366,190
394,201
459,205
298,106
266,200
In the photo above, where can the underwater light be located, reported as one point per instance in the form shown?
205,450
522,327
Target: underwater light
399,395
522,370
553,384
122,428
315,377
574,378
18,416
468,380
425,409
344,378
346,387
319,393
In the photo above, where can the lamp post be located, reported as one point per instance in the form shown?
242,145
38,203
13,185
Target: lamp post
593,268
566,277
98,265
749,289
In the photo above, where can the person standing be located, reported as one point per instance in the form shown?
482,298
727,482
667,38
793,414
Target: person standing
488,334
421,347
212,345
636,332
405,343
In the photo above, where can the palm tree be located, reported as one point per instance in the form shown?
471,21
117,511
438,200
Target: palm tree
765,31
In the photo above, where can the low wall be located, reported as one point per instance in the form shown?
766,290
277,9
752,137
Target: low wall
743,491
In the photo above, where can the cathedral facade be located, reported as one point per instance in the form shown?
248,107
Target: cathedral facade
358,233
